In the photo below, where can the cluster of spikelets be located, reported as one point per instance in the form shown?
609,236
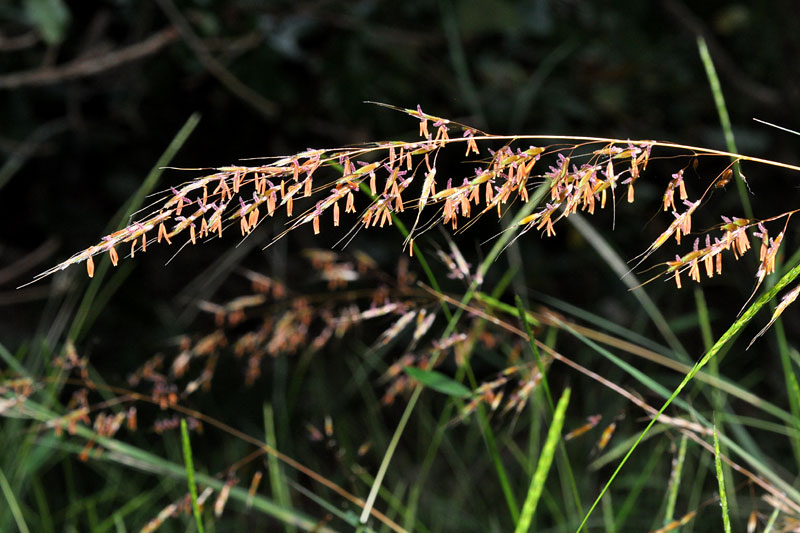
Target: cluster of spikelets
585,176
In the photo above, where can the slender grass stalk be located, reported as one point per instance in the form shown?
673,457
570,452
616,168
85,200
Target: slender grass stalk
725,122
187,459
608,515
675,480
494,454
723,497
642,479
543,466
13,504
87,305
792,386
770,525
535,349
276,475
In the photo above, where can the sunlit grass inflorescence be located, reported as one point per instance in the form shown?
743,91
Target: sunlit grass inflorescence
585,176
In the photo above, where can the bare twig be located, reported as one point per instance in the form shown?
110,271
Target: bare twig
214,67
18,42
722,60
90,66
34,257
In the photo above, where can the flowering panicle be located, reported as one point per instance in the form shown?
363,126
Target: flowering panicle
373,183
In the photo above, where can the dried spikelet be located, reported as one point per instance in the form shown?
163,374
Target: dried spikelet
396,328
222,498
253,488
675,524
424,323
605,437
158,521
591,422
786,301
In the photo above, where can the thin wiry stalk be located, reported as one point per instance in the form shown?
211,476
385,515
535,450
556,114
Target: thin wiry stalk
189,464
723,496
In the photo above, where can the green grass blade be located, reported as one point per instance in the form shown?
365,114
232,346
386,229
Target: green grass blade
725,122
772,519
13,504
497,461
276,475
723,498
9,359
187,458
86,307
535,350
792,386
608,515
439,382
675,481
543,466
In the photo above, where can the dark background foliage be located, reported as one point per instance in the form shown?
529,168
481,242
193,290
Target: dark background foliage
272,78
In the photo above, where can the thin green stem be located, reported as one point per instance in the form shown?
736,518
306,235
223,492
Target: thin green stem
725,122
187,459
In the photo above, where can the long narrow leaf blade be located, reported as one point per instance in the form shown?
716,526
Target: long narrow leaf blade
543,466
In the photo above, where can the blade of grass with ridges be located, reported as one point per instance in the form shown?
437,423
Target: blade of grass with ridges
675,481
276,475
12,503
189,465
543,465
725,122
723,498
78,327
792,386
